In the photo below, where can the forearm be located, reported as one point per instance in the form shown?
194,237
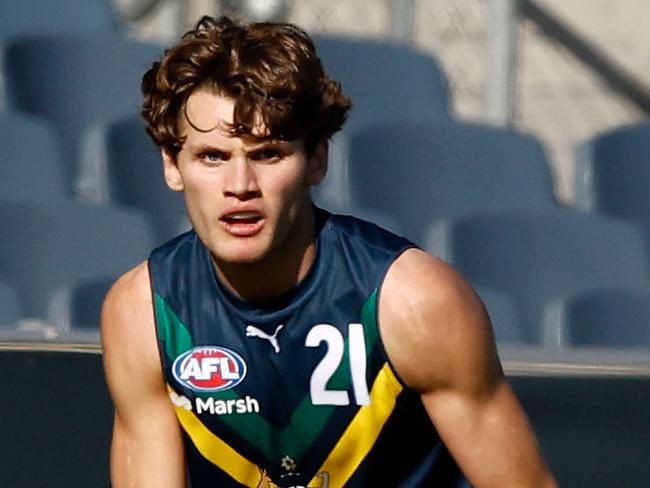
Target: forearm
493,441
143,459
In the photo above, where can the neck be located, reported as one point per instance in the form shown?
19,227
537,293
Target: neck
266,281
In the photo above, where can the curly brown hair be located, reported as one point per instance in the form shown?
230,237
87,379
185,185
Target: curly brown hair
270,70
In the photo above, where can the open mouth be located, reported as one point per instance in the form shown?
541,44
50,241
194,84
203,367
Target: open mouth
242,224
242,218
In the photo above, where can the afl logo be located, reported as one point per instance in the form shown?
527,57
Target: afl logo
209,368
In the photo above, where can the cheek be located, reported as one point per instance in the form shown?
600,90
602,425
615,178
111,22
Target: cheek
286,185
200,192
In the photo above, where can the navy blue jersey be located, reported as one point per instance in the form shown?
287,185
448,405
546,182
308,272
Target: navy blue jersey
299,395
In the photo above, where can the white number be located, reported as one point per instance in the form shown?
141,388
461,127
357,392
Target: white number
323,372
357,343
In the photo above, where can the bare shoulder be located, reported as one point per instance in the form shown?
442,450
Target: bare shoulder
127,310
435,327
128,332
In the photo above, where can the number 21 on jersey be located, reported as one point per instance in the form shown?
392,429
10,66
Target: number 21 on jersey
320,394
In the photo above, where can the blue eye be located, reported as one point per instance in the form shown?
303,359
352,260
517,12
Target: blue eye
213,157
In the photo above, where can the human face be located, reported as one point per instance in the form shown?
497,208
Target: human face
248,200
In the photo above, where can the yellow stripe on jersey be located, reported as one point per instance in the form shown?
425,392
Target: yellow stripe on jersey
361,434
217,451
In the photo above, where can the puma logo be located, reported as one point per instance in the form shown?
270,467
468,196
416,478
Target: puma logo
252,331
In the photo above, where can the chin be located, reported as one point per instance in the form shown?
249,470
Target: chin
240,254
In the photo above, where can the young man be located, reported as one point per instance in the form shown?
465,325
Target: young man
276,344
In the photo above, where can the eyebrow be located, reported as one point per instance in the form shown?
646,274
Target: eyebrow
269,143
201,148
264,144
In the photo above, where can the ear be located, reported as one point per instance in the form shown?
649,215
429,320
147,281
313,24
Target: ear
317,165
173,176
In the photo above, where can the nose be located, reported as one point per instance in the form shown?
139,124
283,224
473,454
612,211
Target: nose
241,180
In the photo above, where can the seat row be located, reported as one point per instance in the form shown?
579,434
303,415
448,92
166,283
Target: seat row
57,259
20,17
552,279
94,79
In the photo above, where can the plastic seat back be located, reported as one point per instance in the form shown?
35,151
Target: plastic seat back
612,173
423,172
504,316
9,306
540,258
47,247
609,318
30,156
386,81
135,178
37,16
91,80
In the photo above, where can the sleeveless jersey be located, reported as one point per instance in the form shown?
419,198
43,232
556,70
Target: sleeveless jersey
301,395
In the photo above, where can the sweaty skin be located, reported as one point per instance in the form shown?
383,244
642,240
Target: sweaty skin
249,203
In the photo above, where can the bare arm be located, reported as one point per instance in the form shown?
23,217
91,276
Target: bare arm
439,339
147,449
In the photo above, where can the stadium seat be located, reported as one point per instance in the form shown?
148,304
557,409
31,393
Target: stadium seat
593,430
85,303
31,160
56,420
419,173
133,165
504,316
388,82
91,79
612,173
46,247
538,258
9,306
38,16
615,318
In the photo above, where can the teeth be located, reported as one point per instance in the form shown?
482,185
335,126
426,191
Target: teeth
242,215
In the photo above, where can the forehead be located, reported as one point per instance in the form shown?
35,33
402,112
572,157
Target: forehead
208,113
207,118
206,109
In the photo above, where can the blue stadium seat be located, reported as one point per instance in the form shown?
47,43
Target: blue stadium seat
56,423
38,16
30,157
616,318
135,178
538,258
9,306
504,316
86,298
91,79
422,172
612,173
46,247
388,82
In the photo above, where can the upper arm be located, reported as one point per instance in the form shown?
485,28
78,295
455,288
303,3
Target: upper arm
147,446
438,337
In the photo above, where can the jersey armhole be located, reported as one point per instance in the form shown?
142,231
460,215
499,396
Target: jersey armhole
155,320
378,318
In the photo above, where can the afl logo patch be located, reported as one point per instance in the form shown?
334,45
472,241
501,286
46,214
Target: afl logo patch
209,368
